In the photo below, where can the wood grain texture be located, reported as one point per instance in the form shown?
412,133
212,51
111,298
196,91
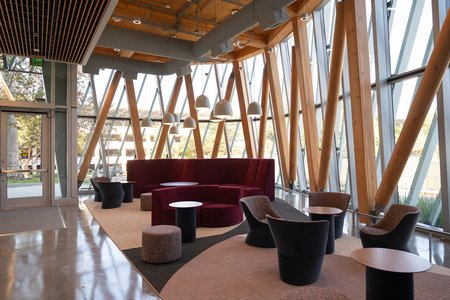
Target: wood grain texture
221,124
242,93
334,84
98,127
135,123
278,113
294,118
171,108
307,99
193,112
265,111
361,101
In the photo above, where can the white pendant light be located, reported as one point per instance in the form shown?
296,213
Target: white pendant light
202,103
168,119
177,118
212,118
223,109
254,110
146,122
189,123
174,130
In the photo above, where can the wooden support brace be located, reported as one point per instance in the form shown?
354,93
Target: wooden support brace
265,112
98,128
221,124
431,80
247,127
336,65
278,113
171,109
293,124
193,112
361,102
135,124
307,99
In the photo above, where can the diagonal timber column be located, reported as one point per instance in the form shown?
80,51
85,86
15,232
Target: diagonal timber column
98,128
265,111
247,127
307,99
193,112
278,113
431,80
336,65
221,125
361,102
293,124
135,124
171,109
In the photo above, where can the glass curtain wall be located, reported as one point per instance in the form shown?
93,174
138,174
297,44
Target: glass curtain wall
410,40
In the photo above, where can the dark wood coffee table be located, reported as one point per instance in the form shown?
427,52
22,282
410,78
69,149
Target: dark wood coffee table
325,213
185,218
389,272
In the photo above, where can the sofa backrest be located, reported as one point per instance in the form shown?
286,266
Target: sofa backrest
250,172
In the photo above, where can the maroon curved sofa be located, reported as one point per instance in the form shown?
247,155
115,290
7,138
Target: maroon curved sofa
221,183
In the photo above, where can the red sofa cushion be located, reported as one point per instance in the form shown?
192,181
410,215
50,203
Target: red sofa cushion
233,170
207,171
220,215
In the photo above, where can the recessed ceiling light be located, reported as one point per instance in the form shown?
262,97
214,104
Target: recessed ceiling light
304,17
116,19
137,21
168,6
234,11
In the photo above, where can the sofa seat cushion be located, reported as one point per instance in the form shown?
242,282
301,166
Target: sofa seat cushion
220,215
248,190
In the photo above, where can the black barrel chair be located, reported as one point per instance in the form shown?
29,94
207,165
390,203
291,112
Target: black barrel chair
301,248
393,231
94,181
255,209
331,199
112,194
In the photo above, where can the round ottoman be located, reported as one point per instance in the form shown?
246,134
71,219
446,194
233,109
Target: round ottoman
306,293
161,244
146,201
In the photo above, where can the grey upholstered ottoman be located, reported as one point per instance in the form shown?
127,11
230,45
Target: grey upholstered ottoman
161,244
146,201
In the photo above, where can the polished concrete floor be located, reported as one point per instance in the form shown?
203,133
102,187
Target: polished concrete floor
77,262
81,262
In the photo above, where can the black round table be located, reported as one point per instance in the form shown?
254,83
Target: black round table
185,218
317,213
127,187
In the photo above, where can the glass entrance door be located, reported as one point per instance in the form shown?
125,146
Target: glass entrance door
24,143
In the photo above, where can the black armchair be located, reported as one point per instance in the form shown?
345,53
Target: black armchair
301,249
95,181
393,231
255,209
331,199
112,194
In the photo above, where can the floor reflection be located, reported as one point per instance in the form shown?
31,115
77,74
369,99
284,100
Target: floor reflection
78,262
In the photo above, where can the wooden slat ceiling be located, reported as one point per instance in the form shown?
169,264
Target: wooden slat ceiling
59,30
